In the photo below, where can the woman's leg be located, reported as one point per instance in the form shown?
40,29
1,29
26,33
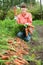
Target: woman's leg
20,34
27,38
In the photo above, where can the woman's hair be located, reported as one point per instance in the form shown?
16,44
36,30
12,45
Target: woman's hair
23,5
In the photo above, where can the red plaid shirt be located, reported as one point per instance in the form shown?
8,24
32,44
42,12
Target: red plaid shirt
24,18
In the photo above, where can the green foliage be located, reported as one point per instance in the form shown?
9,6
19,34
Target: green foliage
38,62
38,22
36,11
30,58
35,35
10,14
2,15
7,4
9,27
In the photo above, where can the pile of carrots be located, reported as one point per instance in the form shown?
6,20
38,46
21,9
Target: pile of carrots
18,48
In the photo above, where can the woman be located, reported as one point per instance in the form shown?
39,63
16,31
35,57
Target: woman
25,19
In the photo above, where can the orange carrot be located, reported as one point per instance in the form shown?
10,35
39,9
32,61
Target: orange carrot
19,61
7,63
5,57
10,41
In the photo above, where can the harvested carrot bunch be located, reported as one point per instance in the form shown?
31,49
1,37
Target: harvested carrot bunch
14,55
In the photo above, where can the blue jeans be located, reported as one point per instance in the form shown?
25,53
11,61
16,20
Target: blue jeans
23,36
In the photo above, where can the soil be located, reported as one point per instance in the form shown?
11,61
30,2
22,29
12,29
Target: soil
39,42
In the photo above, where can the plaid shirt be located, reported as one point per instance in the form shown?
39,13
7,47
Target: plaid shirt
24,18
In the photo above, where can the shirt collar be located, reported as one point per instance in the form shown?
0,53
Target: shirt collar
24,14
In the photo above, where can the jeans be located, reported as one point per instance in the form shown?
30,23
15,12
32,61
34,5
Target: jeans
23,36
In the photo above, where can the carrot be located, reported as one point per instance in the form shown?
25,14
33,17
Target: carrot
20,61
5,57
15,11
10,41
16,62
7,63
26,31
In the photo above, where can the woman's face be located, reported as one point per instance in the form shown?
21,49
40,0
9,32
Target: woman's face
23,10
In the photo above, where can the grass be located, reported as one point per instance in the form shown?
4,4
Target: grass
38,22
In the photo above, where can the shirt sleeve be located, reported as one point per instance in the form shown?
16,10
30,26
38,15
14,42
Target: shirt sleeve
29,18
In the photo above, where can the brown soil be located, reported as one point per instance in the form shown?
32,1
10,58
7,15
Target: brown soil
39,29
40,40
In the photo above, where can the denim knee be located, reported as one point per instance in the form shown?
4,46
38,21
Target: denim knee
20,34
